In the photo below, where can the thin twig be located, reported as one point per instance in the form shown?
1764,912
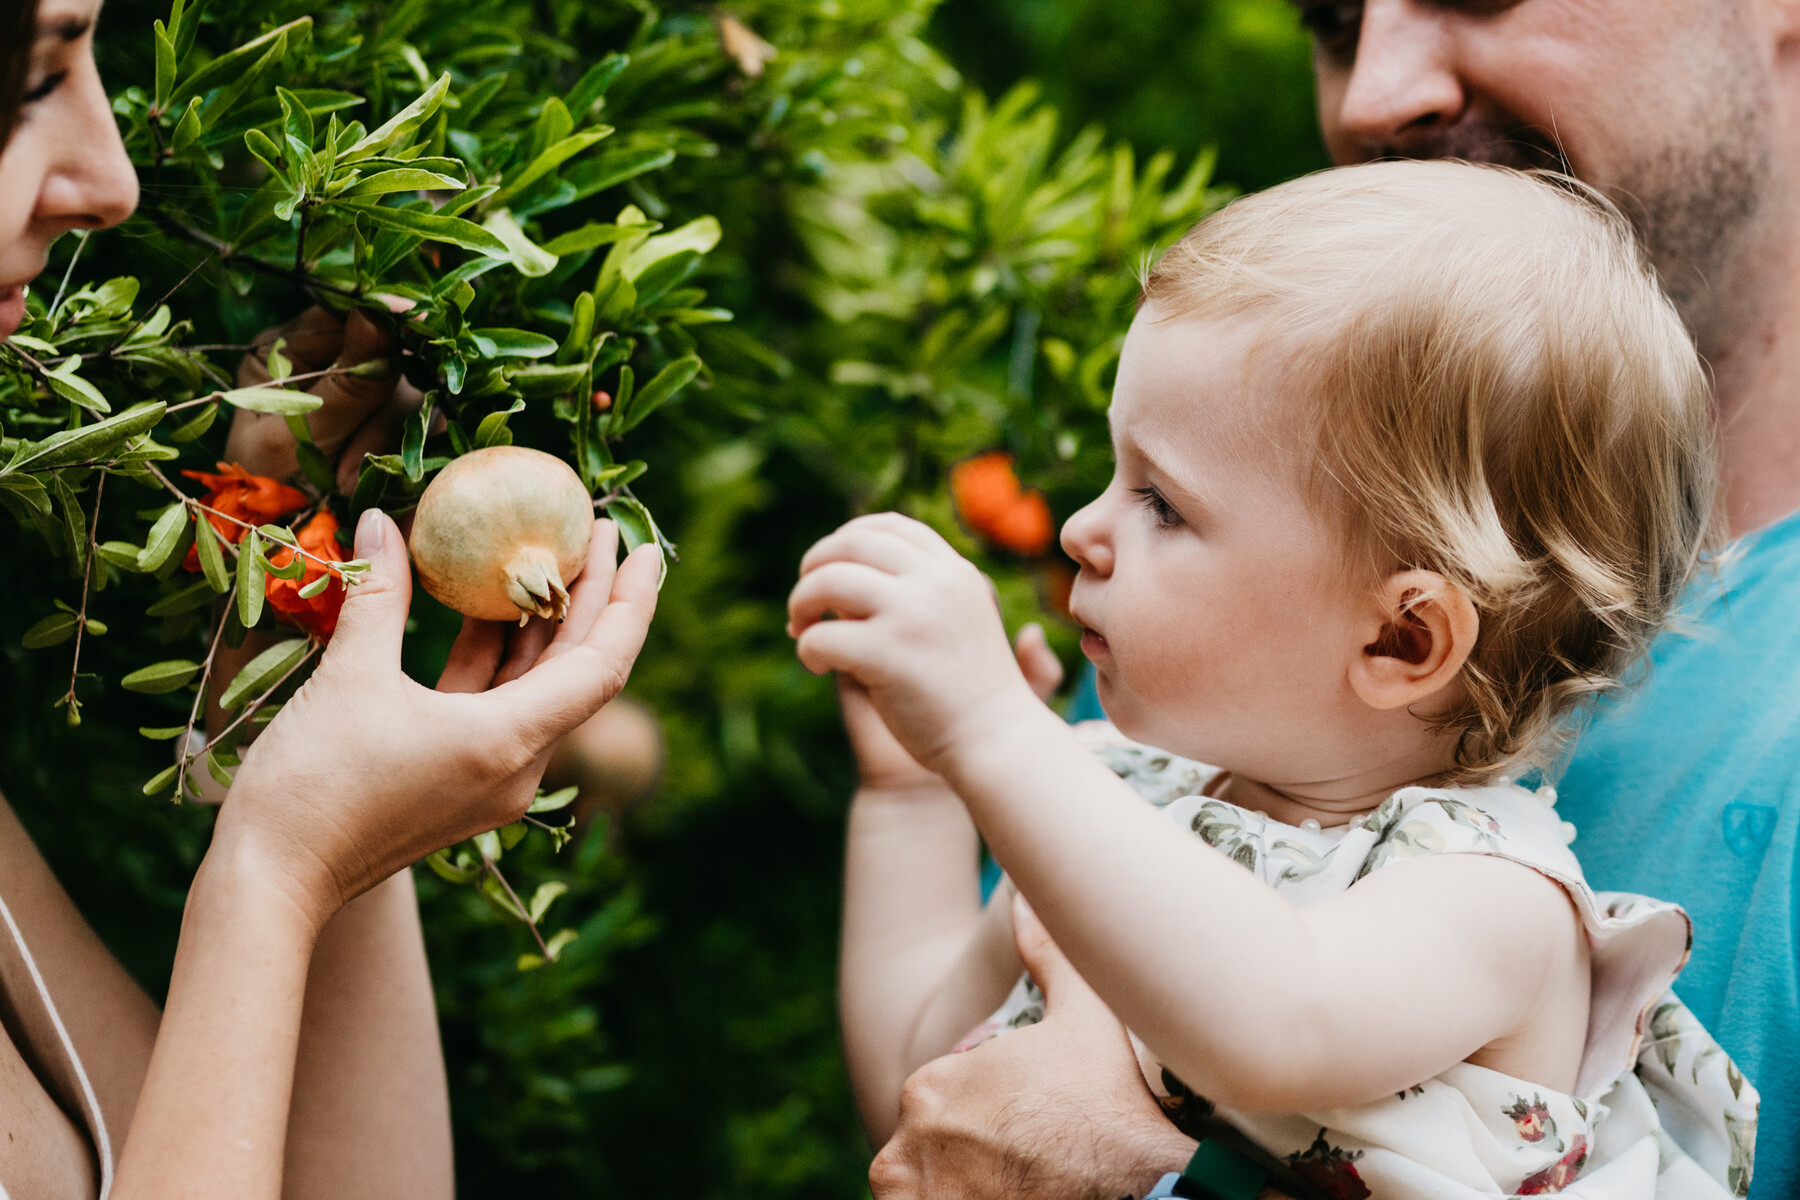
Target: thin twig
87,578
212,651
70,271
228,253
251,709
275,384
524,913
114,348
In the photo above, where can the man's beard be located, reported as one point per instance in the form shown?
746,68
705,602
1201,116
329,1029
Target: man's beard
1691,204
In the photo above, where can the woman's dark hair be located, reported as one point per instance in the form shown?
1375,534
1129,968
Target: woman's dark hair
18,32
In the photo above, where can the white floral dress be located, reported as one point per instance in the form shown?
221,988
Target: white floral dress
1659,1109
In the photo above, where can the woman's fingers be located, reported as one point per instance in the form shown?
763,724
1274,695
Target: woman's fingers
588,595
373,618
845,589
567,688
474,657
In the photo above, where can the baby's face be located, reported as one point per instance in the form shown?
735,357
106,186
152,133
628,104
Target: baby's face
1217,606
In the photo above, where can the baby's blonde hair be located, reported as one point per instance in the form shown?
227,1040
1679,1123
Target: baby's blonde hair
1495,389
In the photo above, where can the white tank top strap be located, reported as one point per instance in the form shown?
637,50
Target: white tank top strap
49,1037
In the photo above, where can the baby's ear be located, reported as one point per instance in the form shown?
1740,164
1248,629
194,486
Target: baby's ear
1421,629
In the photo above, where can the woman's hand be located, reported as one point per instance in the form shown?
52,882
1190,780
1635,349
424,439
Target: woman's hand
918,630
364,771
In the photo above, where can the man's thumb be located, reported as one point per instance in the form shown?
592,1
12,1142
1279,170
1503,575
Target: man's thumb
373,618
1055,975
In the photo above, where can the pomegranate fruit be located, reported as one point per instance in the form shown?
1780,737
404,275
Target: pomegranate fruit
501,533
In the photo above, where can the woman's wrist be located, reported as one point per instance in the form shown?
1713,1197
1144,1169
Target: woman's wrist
244,868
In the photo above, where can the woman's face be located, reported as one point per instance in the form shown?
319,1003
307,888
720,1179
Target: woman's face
65,167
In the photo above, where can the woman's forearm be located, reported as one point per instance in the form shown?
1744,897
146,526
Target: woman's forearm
371,1110
211,1121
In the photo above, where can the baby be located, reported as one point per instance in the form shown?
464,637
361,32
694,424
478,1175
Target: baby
1412,459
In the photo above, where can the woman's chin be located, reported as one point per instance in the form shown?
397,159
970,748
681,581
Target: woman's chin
12,311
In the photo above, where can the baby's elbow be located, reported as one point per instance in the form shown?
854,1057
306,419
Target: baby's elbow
1283,1066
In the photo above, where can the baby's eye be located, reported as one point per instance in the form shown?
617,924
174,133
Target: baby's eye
1161,509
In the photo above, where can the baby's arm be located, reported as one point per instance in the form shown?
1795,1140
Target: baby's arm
1254,1002
922,960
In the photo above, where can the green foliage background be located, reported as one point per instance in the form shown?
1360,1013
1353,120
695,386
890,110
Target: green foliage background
925,259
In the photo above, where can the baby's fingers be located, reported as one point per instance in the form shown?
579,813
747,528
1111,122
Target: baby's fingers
870,545
1039,664
835,646
844,589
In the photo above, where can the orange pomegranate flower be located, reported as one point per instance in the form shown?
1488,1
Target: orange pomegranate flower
235,492
318,615
993,505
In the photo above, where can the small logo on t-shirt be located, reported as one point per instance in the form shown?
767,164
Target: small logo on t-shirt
1748,827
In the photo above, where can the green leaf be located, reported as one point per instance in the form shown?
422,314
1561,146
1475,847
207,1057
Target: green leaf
593,85
123,555
231,66
250,580
432,227
164,537
187,130
539,380
162,781
589,237
545,895
196,595
653,395
512,835
165,67
551,158
637,528
165,733
453,872
512,343
318,469
552,801
493,431
531,260
76,390
401,179
193,428
53,630
220,775
402,125
272,400
264,671
317,586
90,441
212,558
161,677
699,235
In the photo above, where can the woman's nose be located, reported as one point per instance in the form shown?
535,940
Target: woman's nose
1403,86
1084,538
91,183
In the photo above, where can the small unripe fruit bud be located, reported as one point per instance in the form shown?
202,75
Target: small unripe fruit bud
602,401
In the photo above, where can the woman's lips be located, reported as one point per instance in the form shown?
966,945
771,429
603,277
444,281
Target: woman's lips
12,310
1093,645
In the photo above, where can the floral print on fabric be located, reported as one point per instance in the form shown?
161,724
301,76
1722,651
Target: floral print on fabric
1662,1113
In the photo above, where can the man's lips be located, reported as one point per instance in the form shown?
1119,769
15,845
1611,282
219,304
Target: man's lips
12,310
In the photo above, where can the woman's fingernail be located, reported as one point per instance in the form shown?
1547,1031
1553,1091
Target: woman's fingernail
371,531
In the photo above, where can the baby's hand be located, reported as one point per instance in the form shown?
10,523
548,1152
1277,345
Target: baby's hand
918,630
882,763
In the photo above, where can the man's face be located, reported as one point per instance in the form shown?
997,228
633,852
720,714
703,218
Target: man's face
1665,105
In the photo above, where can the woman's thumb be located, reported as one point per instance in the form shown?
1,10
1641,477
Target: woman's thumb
373,618
1055,975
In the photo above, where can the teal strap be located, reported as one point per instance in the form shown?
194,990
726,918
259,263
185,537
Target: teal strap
1224,1173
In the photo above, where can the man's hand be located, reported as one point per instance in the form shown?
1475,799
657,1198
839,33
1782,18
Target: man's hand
362,414
1055,1111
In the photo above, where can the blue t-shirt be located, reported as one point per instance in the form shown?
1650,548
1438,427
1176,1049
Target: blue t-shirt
1688,789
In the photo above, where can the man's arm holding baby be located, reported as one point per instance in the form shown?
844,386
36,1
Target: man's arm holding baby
922,959
1301,1007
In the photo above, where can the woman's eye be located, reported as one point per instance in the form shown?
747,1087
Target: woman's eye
50,84
1334,27
1161,509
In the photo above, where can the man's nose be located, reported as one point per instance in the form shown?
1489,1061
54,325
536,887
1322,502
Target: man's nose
1403,87
92,185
